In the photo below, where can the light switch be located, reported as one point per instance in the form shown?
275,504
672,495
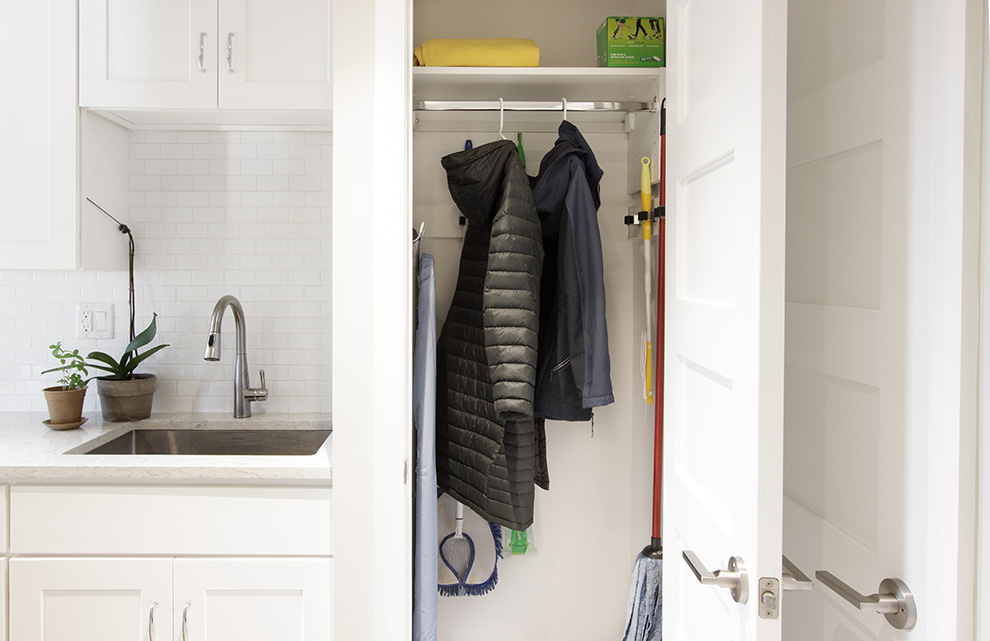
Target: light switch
94,320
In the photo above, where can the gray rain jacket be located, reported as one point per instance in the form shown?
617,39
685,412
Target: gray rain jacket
486,355
573,371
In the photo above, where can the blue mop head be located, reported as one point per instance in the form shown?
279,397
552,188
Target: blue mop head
644,611
468,566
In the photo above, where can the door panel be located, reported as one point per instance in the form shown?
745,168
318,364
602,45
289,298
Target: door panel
725,310
280,54
254,599
90,599
146,54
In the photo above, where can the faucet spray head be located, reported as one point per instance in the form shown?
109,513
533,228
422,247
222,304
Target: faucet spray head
212,347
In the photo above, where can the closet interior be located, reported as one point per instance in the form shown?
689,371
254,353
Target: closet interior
589,527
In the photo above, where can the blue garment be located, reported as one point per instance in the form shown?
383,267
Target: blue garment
424,416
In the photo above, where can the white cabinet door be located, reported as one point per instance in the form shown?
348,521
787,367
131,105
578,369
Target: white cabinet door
3,600
39,130
148,54
90,599
254,599
275,55
725,313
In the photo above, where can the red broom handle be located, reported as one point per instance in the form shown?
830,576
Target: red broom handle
658,404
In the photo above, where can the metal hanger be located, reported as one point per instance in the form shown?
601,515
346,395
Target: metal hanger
501,117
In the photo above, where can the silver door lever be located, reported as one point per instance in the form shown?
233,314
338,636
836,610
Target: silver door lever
735,578
794,579
893,599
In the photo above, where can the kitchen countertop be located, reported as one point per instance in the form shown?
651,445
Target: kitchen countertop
33,453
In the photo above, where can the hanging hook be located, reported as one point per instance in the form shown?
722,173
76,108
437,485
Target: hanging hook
563,102
501,117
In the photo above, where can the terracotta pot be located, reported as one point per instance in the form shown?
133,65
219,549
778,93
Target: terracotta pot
128,400
65,404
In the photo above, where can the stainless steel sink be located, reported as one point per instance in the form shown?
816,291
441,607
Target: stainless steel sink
206,442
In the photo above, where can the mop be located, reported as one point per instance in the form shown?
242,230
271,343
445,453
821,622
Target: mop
469,554
644,611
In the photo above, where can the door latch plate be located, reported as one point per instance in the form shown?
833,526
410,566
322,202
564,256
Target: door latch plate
769,598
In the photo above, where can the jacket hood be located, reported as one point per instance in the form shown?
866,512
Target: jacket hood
475,178
570,154
569,133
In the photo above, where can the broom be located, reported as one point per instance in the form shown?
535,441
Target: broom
644,612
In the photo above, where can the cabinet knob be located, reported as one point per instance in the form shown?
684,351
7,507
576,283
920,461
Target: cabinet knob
202,51
151,621
185,622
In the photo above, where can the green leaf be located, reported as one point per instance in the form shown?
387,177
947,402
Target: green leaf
132,365
58,369
104,358
100,367
143,338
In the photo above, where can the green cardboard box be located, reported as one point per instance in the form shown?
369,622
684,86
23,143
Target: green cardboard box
630,42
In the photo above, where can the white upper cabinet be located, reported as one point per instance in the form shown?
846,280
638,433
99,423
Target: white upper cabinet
153,54
40,134
275,55
191,54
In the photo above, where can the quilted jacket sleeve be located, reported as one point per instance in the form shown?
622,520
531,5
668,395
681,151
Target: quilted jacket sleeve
512,297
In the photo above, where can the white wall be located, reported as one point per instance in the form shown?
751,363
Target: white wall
212,213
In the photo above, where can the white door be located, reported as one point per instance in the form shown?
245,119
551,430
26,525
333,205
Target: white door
725,307
875,354
254,599
276,55
40,134
90,599
149,54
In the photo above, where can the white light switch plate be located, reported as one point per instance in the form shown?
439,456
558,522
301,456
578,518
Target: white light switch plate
94,320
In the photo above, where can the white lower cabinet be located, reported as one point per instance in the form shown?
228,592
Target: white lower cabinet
253,599
90,599
125,599
169,563
3,600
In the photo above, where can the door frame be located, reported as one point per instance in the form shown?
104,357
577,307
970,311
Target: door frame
372,319
947,314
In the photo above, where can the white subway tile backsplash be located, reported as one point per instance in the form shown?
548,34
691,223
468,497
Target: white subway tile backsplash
263,137
209,151
242,151
213,213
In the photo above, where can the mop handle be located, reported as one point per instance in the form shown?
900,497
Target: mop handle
458,520
645,195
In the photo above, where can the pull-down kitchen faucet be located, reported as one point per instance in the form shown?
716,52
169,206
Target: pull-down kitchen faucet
243,392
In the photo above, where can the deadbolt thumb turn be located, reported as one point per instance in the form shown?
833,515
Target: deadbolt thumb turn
893,599
735,578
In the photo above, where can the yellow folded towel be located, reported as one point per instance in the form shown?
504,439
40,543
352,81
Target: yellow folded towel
494,52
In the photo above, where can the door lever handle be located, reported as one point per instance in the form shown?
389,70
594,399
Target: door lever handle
893,599
735,578
794,579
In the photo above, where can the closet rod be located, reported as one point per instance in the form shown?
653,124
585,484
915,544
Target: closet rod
531,105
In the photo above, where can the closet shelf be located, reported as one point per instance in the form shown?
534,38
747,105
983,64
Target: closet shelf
537,83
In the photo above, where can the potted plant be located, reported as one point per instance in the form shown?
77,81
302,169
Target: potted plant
65,400
125,395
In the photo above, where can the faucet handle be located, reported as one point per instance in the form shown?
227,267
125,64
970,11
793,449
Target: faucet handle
258,393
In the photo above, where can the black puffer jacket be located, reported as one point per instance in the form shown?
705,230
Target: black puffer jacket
486,355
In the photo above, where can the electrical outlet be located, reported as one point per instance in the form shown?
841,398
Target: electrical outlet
94,320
